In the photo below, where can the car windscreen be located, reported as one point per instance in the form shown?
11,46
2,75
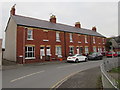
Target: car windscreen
94,54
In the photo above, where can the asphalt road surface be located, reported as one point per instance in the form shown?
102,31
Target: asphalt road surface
43,76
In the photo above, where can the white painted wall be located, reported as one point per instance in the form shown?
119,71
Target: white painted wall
10,41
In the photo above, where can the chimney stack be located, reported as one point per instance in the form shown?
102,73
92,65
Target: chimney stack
53,19
77,25
94,29
12,12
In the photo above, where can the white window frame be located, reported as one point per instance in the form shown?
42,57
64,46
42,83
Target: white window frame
93,39
58,50
29,34
86,39
78,50
72,49
48,51
94,49
71,37
103,41
27,52
86,50
58,36
42,51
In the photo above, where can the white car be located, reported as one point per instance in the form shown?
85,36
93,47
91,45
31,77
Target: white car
76,58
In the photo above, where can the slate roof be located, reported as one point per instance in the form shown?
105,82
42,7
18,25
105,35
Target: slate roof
32,22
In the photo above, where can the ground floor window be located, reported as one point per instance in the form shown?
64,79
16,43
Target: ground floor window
99,49
48,51
81,50
29,52
58,50
86,50
71,50
78,50
94,49
42,51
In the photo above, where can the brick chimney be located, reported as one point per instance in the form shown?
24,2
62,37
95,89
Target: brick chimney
77,25
12,12
94,29
53,19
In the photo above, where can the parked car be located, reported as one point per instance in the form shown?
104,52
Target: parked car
76,58
110,54
118,53
95,56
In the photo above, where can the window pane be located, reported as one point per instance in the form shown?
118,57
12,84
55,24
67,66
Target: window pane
29,32
25,49
29,36
26,55
30,48
29,54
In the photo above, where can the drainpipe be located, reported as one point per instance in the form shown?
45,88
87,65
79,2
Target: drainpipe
24,46
65,43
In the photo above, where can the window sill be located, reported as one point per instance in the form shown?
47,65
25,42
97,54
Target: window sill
57,40
42,55
79,42
30,39
30,58
86,42
45,40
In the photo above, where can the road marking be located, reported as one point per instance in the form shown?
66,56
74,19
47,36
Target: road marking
63,80
66,66
26,76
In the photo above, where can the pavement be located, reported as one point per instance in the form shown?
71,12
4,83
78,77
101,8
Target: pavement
85,79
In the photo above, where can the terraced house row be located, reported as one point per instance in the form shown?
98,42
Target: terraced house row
33,40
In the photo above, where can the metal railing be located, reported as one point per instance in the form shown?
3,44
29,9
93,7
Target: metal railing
107,80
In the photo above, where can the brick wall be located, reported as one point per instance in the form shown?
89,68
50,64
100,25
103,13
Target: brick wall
40,34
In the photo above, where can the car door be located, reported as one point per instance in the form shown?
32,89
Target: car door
80,57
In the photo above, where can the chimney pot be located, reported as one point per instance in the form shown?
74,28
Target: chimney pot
77,25
53,19
12,12
94,29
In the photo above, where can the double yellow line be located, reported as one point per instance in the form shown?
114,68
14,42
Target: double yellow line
63,80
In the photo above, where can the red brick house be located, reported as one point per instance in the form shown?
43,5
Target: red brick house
33,40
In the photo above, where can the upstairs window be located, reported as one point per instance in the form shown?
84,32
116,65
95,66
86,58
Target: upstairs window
71,37
86,39
29,34
93,39
103,41
58,36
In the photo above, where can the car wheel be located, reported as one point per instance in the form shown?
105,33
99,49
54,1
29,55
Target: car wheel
76,61
86,59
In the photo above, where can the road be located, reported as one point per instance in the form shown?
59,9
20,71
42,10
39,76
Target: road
43,76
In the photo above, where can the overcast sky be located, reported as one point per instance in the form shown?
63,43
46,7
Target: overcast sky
103,15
